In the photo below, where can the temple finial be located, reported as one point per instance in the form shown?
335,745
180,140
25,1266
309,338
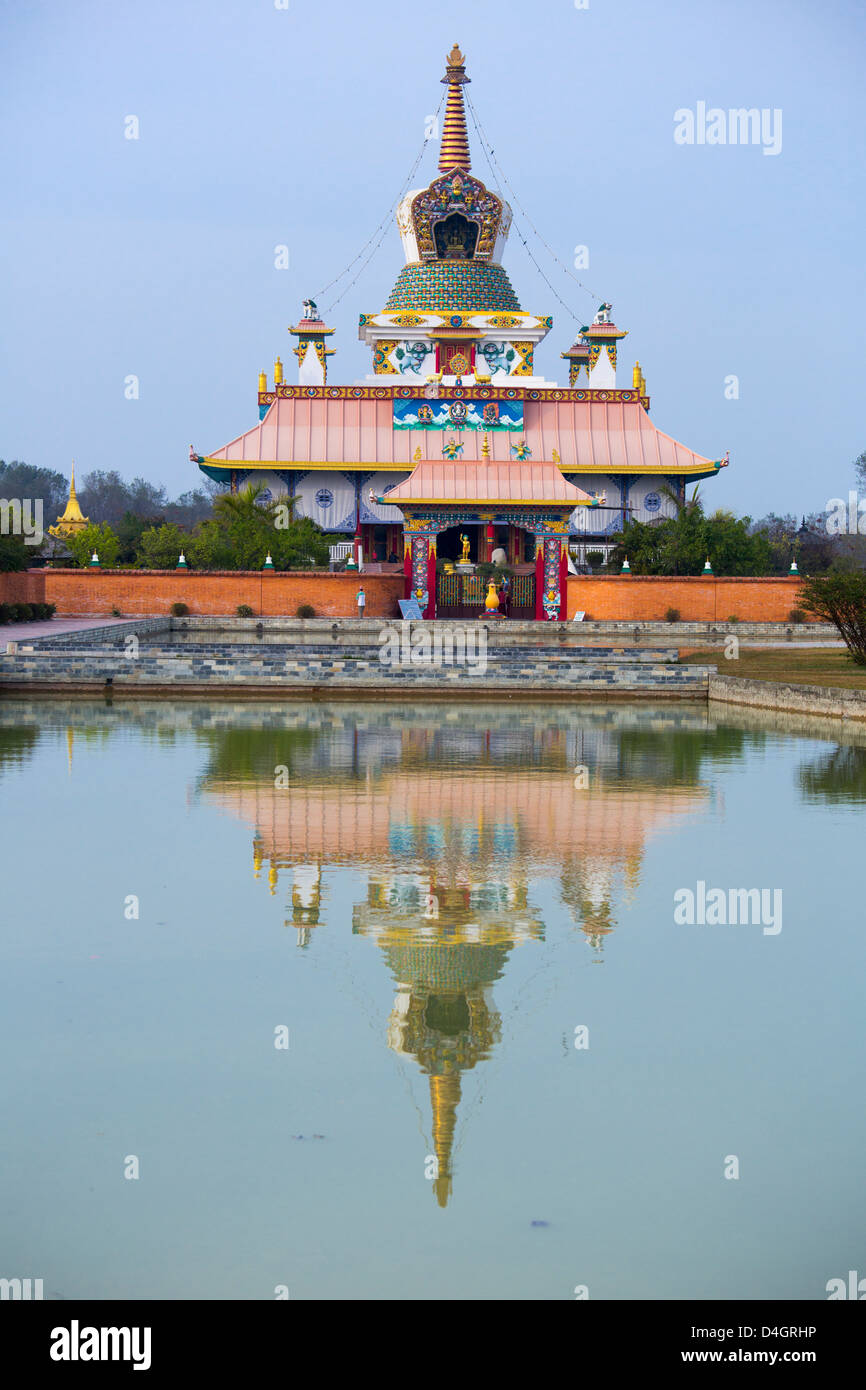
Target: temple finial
454,152
445,1096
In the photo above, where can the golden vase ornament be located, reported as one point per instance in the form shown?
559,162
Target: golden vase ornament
491,603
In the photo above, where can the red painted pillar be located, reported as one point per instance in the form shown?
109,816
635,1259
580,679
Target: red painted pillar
488,550
539,579
357,544
563,580
430,610
407,566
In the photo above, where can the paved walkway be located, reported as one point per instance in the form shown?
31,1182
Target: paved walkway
52,627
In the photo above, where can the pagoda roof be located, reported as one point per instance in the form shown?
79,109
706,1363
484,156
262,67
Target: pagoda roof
527,483
331,428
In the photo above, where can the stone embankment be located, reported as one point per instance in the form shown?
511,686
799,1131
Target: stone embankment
151,656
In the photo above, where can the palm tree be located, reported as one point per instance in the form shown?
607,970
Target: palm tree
687,504
245,504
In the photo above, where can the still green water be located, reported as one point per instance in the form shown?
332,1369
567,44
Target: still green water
386,1001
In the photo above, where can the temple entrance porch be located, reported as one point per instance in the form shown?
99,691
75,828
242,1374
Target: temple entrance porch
529,545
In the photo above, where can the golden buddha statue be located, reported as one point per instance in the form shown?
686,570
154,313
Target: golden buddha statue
455,245
464,558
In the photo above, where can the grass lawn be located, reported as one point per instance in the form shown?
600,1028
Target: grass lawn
802,666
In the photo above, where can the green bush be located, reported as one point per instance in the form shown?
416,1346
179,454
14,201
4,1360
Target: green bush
732,619
243,610
160,547
179,610
6,613
305,610
23,612
672,615
840,598
595,559
797,615
97,537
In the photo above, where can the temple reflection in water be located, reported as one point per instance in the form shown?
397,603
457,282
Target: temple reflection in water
452,820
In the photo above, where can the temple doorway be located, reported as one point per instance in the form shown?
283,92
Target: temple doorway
449,545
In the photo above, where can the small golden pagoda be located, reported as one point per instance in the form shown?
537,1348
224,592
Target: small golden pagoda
72,521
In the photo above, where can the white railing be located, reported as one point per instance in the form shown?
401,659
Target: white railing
340,551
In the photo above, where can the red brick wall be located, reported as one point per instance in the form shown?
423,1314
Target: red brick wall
151,592
616,598
24,586
139,593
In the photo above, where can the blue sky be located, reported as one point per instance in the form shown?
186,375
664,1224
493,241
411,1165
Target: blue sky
262,126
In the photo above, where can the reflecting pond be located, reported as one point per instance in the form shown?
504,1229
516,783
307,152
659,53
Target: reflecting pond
430,1001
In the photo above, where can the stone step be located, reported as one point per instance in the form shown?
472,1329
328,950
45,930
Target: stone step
266,666
371,651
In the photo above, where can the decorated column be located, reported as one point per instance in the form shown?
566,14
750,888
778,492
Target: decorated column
420,566
311,352
551,570
539,577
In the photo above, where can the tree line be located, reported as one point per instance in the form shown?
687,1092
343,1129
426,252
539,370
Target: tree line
136,524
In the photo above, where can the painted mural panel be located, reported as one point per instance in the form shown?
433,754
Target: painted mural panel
414,359
457,414
502,359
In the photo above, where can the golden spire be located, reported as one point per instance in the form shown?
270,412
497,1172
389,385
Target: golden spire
445,1097
454,151
485,447
71,519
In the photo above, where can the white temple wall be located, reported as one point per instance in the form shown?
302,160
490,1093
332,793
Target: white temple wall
328,498
592,521
377,512
648,500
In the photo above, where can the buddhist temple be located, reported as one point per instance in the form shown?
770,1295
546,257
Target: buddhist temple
453,450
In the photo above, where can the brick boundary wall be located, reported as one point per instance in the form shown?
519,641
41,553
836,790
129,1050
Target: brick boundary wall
217,593
150,593
699,600
23,586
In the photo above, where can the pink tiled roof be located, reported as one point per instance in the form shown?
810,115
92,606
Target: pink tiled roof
607,437
601,436
487,480
322,430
